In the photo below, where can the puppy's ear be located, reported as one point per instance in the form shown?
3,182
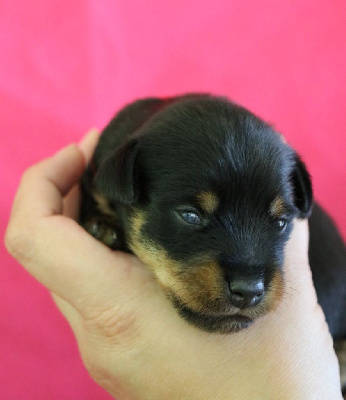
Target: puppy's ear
116,176
302,188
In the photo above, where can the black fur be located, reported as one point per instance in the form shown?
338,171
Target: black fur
157,155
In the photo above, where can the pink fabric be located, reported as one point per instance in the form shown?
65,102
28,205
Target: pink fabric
66,66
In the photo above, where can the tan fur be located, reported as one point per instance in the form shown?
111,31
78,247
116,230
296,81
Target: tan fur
195,288
275,292
277,208
208,201
103,205
137,221
340,349
194,285
198,284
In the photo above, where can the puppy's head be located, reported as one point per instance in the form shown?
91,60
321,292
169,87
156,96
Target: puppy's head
208,194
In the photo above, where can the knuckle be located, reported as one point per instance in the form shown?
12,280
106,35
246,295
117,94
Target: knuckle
18,243
113,324
107,333
29,174
31,171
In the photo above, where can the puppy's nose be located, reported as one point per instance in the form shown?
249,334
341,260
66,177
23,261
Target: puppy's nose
244,293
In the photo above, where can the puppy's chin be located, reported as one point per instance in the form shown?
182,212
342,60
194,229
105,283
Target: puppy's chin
213,323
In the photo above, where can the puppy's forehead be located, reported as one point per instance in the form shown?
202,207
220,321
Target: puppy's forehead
199,145
209,127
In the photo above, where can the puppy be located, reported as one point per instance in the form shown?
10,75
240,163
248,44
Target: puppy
204,193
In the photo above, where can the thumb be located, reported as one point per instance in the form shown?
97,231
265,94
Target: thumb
296,267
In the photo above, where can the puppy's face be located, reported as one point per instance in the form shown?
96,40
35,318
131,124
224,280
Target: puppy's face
209,193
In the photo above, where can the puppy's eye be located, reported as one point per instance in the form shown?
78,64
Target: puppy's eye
190,217
282,224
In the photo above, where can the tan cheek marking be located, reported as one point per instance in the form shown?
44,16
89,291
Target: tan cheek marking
197,287
150,254
208,201
203,284
277,208
193,285
276,291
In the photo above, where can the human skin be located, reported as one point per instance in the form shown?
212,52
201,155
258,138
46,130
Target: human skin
131,340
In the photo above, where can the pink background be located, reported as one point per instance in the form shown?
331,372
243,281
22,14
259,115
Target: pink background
66,66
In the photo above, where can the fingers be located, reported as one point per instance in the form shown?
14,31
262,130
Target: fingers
72,199
297,246
102,293
88,144
298,277
71,203
40,195
296,251
73,264
53,248
43,186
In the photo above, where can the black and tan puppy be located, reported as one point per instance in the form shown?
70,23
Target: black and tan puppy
204,193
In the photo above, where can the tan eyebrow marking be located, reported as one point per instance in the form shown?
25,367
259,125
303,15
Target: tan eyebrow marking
208,201
277,207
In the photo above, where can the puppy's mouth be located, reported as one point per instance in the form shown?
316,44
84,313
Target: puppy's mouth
218,323
212,311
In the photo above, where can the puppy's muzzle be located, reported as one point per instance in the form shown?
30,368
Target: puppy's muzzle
246,293
244,281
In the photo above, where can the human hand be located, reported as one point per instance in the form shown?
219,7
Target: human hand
131,339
